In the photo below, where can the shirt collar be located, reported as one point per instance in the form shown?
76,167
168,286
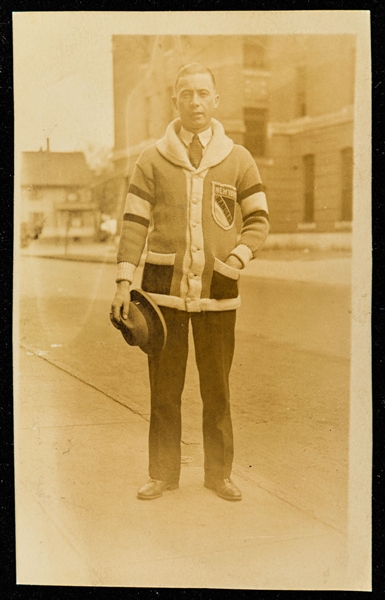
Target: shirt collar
204,136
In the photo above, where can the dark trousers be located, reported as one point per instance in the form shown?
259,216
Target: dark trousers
214,348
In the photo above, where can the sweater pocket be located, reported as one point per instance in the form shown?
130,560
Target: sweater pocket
224,282
158,272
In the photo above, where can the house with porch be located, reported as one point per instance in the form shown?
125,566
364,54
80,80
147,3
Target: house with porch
56,194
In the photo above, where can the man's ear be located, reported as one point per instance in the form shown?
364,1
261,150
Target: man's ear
216,101
173,99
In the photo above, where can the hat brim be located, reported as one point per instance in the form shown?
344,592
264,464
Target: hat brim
157,329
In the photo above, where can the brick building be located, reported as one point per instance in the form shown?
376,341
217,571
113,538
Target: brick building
288,99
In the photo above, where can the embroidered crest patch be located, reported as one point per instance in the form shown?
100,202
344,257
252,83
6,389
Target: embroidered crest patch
223,200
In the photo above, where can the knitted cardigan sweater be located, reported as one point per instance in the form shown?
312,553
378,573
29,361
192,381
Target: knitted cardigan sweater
187,216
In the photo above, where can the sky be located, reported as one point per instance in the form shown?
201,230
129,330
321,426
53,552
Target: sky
63,82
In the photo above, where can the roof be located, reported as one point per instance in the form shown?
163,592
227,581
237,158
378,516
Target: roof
45,168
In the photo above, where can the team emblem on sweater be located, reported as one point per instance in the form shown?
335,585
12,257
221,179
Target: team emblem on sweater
224,198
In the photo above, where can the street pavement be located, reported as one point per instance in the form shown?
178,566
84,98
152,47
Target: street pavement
80,460
81,422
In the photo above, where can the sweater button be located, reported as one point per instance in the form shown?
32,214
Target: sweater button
194,248
194,224
191,275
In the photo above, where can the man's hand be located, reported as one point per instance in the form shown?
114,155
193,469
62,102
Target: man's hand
121,303
234,262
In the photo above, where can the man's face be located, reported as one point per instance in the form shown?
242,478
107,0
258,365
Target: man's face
196,100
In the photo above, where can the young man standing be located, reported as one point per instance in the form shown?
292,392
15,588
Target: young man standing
188,184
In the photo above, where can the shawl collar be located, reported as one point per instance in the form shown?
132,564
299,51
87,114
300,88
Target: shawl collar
173,149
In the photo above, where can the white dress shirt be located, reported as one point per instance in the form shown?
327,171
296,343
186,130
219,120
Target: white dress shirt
204,137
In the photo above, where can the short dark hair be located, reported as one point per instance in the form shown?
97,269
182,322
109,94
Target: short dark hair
191,69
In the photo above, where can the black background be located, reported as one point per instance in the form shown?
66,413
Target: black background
8,588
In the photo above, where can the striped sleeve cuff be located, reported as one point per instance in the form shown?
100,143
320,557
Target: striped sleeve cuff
125,272
242,252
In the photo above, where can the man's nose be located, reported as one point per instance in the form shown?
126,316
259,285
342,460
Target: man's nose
195,100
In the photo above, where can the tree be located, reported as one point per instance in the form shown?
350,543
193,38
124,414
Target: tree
99,159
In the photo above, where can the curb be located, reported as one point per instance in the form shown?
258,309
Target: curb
75,257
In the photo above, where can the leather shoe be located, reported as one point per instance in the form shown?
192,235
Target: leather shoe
224,488
154,488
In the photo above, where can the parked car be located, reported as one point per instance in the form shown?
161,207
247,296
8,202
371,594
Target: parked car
31,229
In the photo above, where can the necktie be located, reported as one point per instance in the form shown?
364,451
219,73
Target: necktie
195,151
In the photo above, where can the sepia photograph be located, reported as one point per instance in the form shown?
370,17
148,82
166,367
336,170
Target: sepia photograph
192,297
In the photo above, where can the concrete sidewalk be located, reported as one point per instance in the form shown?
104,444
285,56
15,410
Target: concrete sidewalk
315,266
80,458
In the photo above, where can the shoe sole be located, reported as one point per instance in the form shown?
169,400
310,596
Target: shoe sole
229,498
170,487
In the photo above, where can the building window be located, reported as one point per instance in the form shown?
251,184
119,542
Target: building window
347,184
254,55
255,120
72,196
352,68
170,108
301,109
35,193
147,115
308,170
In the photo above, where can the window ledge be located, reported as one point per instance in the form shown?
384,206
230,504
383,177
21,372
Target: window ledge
306,226
263,160
253,71
343,225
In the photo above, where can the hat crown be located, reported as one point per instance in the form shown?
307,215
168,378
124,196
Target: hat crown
145,325
135,328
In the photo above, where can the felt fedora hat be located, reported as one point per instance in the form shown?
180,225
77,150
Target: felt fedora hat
145,326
